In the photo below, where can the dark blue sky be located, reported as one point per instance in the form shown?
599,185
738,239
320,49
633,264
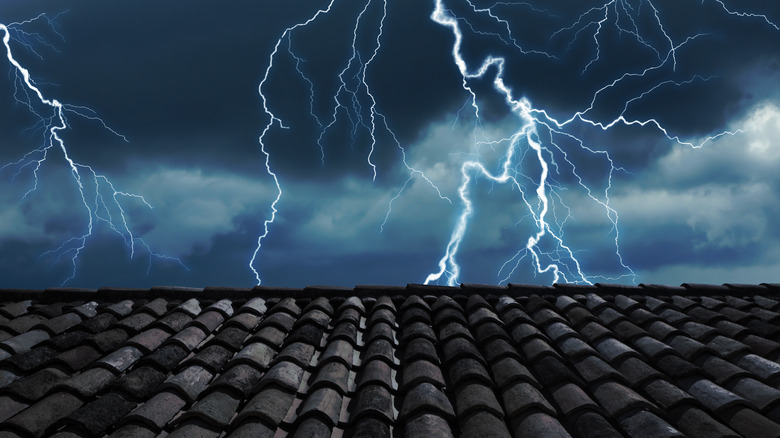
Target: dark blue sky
635,202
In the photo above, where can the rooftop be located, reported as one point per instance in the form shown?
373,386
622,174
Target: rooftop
380,361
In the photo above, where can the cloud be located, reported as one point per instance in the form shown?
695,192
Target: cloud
192,206
718,199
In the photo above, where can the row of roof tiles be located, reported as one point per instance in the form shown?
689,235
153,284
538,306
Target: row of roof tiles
594,361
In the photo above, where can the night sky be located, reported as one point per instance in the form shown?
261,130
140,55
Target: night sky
628,202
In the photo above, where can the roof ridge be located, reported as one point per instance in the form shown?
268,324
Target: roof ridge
374,291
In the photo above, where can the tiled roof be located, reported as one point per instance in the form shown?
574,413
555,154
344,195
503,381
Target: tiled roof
473,361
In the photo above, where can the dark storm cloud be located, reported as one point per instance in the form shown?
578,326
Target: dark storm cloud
179,79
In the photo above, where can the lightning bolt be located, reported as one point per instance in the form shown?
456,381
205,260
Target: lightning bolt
98,194
561,261
353,100
542,142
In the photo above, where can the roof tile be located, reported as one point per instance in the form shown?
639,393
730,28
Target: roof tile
35,386
720,370
426,397
166,357
190,382
253,429
382,314
714,397
490,331
334,375
374,400
617,399
141,382
453,330
32,359
240,378
195,428
689,348
763,368
100,415
37,419
483,424
90,382
345,331
379,349
417,314
574,348
761,395
61,323
77,358
416,330
120,309
475,397
189,338
246,321
10,407
645,424
726,347
427,425
593,331
522,396
311,427
159,410
614,350
481,316
594,425
24,342
421,371
270,405
593,369
136,322
149,340
535,348
677,367
174,321
285,374
108,340
270,335
539,424
324,403
376,372
208,321
13,310
156,307
667,395
420,348
498,349
99,323
281,320
211,358
457,348
338,350
696,423
580,315
752,424
216,409
652,348
299,353
570,398
23,323
121,359
698,331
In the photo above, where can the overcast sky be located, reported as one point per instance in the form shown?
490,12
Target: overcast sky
629,202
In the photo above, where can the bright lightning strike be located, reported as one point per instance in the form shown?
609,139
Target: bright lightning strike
624,16
353,100
543,143
101,201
